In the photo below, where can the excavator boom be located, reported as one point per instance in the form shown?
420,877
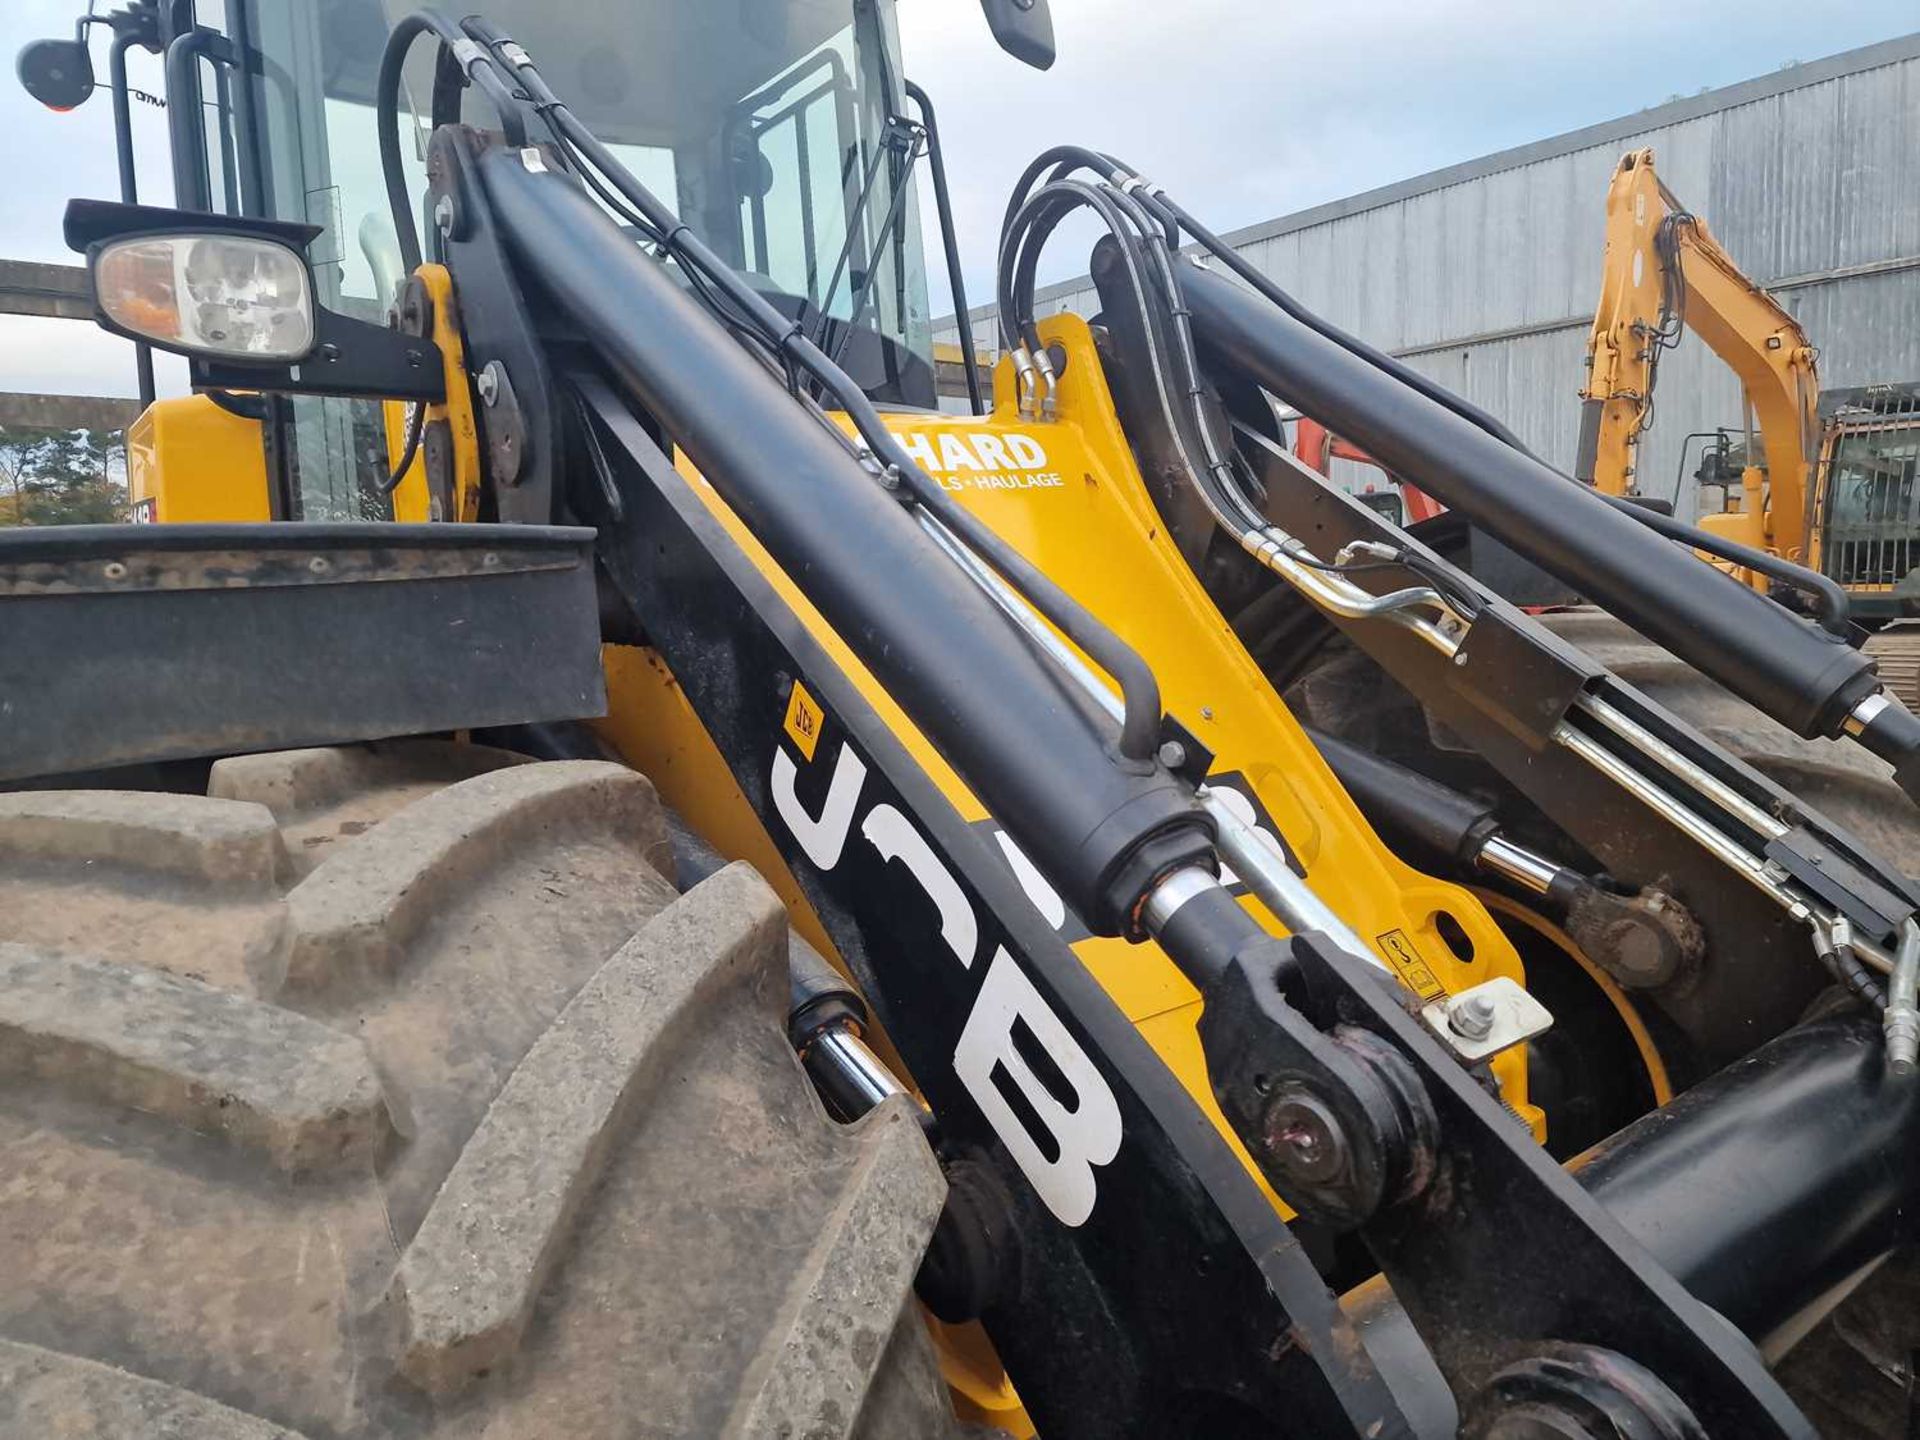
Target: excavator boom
1665,273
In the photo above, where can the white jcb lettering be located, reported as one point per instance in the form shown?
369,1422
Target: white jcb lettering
893,835
824,838
1045,898
1085,1134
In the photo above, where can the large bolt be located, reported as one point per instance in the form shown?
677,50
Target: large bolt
1471,1016
1306,1139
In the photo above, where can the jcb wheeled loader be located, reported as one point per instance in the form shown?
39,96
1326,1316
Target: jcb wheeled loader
660,886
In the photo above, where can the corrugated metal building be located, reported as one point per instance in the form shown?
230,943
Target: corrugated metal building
1485,274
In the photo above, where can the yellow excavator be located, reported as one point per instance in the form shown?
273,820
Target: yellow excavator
1828,484
608,869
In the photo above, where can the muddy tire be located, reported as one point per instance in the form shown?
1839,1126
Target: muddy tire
397,1092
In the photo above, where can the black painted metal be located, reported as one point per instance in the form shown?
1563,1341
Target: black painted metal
1469,1221
1763,1190
1803,678
950,244
1041,760
1181,1304
496,329
186,124
1769,1184
250,149
130,643
129,178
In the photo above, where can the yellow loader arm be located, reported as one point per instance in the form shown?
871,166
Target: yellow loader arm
1663,272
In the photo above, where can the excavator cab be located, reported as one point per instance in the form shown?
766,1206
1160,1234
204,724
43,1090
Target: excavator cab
1868,524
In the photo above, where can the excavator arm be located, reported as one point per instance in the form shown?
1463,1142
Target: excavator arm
1664,273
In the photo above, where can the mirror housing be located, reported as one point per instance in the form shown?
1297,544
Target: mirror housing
57,73
1022,28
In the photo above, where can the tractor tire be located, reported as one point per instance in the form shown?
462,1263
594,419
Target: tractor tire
396,1091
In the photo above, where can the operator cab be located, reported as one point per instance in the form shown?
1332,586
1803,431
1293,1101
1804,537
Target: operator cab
781,131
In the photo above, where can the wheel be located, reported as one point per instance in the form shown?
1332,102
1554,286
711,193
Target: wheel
395,1091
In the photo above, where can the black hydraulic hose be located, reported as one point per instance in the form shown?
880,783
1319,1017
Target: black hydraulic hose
950,243
410,447
1140,692
1830,604
479,70
1015,727
1806,680
386,101
1263,285
1829,599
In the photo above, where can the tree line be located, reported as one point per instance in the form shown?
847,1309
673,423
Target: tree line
61,477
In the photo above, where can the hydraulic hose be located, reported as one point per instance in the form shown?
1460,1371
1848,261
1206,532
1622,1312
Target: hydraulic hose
1139,731
1829,600
451,73
1806,680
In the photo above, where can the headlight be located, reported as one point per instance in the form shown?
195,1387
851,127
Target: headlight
233,297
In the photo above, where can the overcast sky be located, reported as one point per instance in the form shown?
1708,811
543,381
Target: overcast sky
1246,109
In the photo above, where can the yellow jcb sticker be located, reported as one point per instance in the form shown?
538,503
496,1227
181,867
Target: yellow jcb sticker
1403,957
803,720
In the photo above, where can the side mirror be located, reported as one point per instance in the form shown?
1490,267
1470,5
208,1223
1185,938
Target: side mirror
1023,28
57,73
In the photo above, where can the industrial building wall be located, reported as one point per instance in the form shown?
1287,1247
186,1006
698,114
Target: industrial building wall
1485,275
